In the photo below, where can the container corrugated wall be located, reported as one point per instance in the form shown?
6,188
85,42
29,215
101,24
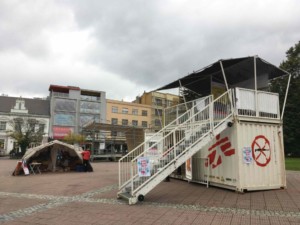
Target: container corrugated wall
247,156
222,157
265,169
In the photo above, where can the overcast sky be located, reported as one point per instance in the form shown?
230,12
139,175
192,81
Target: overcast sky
124,47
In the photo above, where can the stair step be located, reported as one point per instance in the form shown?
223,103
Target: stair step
125,195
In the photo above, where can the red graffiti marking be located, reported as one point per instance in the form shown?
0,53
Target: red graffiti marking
225,147
261,151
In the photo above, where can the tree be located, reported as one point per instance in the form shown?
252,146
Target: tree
25,133
291,125
188,95
72,138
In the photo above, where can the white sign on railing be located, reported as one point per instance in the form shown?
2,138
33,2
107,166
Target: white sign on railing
143,164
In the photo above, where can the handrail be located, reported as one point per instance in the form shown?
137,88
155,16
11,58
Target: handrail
192,121
180,125
162,130
125,171
176,108
219,114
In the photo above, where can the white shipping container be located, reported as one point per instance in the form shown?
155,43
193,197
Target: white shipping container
247,156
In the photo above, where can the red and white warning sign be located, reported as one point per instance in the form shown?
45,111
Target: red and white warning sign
261,150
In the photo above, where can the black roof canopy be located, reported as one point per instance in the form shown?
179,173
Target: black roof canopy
236,71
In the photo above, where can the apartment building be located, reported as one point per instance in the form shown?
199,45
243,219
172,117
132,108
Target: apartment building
126,114
72,107
26,108
158,102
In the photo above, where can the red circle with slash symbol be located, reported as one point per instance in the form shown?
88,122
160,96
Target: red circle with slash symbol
261,151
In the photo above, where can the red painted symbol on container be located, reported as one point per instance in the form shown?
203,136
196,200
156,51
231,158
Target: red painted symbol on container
224,144
261,151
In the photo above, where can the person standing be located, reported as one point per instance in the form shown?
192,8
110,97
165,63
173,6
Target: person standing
86,155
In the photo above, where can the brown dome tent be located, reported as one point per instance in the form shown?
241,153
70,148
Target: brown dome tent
52,156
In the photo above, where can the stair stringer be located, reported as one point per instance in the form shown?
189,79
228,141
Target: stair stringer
175,163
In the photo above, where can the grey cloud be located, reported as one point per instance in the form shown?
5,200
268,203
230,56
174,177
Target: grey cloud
141,44
23,25
138,40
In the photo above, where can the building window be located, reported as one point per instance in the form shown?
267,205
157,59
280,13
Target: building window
135,111
41,127
134,123
65,105
125,111
16,146
114,133
158,101
2,125
144,113
114,109
169,103
31,124
2,144
157,122
62,119
158,112
144,124
90,107
114,121
124,122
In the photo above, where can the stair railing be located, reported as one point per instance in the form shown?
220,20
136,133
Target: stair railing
190,128
200,124
125,172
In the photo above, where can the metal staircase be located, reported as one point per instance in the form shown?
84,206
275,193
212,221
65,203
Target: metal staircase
169,148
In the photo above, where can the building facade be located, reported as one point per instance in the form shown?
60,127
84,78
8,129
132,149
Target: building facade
125,114
158,102
25,108
72,107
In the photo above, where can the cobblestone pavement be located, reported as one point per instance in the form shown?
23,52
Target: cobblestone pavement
90,198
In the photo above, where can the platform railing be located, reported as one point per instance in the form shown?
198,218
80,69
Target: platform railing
253,103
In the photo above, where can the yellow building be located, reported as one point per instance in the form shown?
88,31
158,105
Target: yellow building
125,114
158,102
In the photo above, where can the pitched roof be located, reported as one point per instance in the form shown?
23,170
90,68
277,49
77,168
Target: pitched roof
34,106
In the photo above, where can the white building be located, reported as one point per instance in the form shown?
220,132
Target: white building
14,107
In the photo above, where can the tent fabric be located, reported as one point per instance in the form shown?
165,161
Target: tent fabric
73,150
236,71
54,147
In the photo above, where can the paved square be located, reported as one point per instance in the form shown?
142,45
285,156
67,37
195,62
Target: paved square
90,198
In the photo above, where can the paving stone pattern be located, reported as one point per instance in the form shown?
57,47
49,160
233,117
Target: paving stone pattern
90,198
